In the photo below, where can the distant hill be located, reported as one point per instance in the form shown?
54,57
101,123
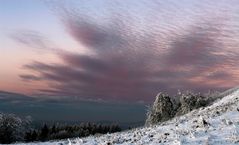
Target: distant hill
44,109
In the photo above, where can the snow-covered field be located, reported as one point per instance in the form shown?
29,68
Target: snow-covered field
217,124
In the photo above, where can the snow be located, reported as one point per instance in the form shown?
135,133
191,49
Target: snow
217,124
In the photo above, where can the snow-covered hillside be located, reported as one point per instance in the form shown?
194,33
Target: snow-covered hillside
215,124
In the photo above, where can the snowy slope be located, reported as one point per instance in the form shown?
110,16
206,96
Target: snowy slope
213,125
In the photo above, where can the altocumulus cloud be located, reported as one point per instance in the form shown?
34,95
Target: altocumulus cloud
136,54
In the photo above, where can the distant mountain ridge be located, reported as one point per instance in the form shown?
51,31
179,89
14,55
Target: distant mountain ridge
12,95
42,109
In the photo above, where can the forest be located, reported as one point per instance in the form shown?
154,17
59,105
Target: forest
17,129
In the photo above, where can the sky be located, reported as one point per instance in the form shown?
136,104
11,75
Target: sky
118,50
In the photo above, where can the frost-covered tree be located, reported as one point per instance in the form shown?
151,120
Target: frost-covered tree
162,109
190,101
12,128
166,107
44,133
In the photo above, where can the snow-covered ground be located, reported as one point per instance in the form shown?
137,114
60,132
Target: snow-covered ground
217,124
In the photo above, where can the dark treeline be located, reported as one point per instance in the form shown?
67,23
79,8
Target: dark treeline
69,131
16,129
